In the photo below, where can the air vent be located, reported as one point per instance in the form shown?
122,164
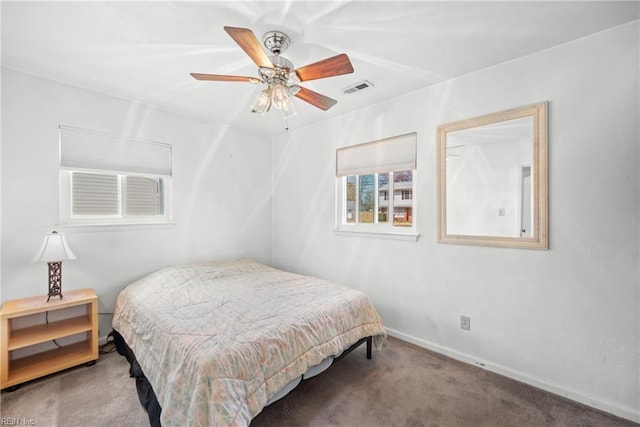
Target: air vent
365,84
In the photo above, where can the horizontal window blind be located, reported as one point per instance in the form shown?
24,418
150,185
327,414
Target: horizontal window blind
95,194
385,155
86,149
142,196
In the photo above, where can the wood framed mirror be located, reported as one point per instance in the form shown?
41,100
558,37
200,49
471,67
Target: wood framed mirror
493,174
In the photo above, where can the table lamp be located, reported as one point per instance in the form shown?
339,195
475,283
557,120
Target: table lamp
54,250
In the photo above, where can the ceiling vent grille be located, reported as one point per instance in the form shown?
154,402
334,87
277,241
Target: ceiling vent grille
365,84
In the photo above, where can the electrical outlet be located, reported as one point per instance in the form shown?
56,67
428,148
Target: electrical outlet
465,323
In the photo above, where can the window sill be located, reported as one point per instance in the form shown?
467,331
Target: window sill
390,235
116,226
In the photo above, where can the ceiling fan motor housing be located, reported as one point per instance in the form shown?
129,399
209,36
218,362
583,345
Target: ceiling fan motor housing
276,42
282,72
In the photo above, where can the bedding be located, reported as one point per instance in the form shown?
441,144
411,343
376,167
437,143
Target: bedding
218,340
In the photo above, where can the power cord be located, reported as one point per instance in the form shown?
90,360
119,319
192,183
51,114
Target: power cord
109,346
46,318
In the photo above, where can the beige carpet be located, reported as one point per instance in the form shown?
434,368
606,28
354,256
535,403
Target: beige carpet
403,385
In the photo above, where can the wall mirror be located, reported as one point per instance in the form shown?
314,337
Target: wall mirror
493,179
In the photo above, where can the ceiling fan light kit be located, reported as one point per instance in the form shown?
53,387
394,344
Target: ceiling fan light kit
279,74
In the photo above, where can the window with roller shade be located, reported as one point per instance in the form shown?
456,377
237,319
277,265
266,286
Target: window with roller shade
110,179
375,186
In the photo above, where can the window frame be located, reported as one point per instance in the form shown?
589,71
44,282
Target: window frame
377,228
68,218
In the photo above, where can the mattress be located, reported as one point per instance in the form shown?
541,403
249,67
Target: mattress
218,341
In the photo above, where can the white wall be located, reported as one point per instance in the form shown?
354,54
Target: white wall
565,319
221,191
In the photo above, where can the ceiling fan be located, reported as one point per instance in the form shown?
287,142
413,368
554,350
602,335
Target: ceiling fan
279,73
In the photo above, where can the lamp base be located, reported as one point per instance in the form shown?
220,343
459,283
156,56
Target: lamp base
55,280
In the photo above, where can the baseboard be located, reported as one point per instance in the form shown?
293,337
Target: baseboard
612,408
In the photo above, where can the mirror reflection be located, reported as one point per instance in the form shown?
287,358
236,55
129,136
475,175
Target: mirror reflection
493,179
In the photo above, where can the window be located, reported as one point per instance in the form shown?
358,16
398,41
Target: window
375,186
107,179
115,196
361,201
94,194
366,199
143,195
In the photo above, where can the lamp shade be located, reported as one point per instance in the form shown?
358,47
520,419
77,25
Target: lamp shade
262,104
282,101
54,249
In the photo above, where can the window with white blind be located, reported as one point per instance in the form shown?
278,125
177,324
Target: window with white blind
95,194
375,187
109,179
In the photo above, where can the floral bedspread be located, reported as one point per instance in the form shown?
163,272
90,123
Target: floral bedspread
217,340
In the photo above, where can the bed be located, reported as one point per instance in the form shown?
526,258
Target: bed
212,344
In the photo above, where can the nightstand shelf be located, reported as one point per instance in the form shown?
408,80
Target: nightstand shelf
15,371
49,331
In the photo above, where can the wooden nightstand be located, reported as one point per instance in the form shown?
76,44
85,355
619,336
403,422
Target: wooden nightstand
17,371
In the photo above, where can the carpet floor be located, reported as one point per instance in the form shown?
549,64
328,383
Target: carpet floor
403,385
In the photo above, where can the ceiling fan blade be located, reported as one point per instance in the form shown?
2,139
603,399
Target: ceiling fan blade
314,98
250,44
334,66
225,78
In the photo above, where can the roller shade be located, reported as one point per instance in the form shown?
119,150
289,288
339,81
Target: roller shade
86,149
390,154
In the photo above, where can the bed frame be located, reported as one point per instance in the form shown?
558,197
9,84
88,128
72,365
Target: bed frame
146,394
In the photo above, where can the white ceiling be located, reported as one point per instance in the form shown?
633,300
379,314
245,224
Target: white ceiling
145,50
